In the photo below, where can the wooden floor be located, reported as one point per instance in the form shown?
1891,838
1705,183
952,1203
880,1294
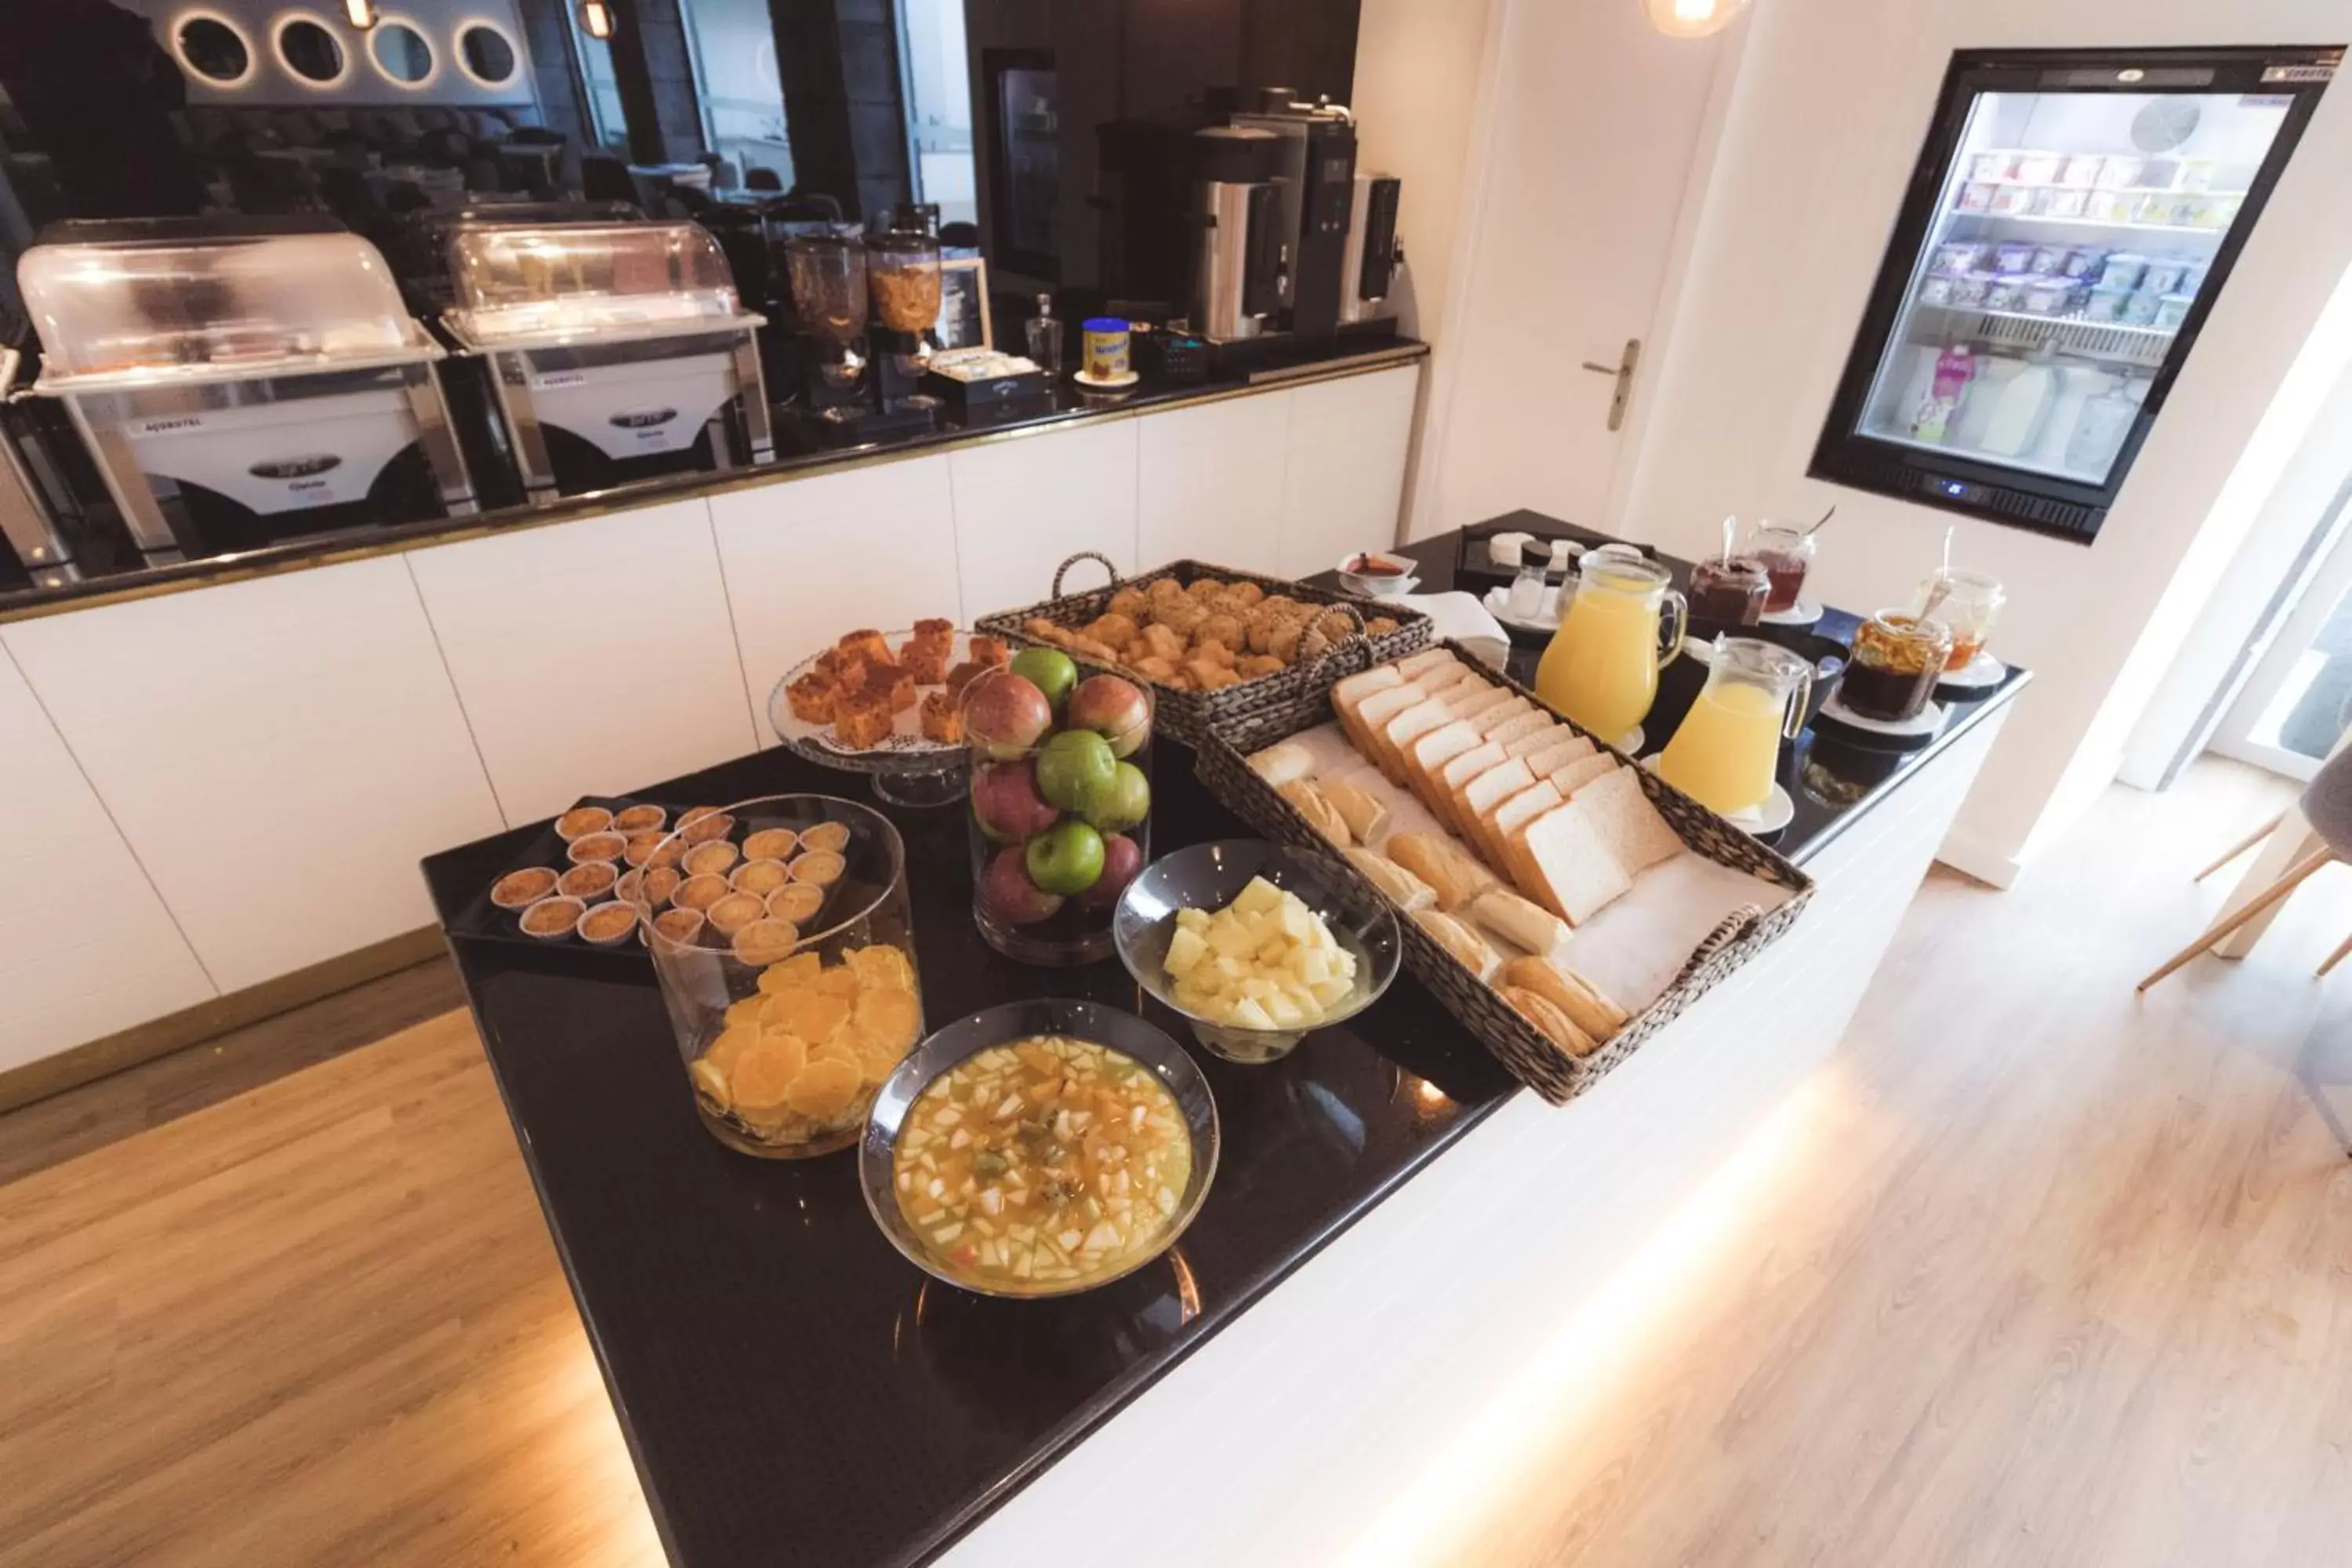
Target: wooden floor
2033,1273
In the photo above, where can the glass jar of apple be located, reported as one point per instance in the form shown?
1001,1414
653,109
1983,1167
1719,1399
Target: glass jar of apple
1061,804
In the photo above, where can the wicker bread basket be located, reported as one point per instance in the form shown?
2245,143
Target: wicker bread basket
1528,1054
1187,714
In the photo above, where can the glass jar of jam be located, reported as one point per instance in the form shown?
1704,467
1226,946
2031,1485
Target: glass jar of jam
1731,593
1969,604
1786,555
1897,658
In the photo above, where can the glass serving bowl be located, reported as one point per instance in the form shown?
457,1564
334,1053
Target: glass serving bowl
967,1037
1211,876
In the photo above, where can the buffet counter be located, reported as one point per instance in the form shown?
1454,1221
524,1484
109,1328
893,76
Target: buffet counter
1394,1229
238,762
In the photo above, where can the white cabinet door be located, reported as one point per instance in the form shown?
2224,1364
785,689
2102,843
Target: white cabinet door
86,947
1210,483
1343,482
593,656
809,559
279,755
1023,506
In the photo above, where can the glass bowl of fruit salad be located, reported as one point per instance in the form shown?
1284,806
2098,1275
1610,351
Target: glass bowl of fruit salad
1256,943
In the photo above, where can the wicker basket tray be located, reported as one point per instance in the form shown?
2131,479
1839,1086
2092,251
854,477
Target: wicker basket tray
1533,1059
1187,714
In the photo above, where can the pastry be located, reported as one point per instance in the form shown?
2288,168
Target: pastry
813,697
761,876
640,847
765,941
943,720
1549,1021
608,923
704,828
832,835
588,881
820,869
660,883
597,846
771,844
866,643
926,663
733,911
639,819
864,724
934,628
580,821
989,652
681,926
551,917
700,892
797,902
518,889
710,859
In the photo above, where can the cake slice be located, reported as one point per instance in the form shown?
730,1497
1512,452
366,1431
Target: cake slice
1572,872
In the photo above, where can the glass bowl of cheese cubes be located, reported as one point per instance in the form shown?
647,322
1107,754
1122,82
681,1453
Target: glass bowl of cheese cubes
1256,943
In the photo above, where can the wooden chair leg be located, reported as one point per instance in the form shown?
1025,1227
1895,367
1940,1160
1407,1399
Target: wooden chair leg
2242,846
2220,929
2337,956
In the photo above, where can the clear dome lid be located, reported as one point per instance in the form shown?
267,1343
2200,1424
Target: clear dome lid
538,284
135,303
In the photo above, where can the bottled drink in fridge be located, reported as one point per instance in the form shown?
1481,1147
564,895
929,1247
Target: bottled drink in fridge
1954,368
2100,430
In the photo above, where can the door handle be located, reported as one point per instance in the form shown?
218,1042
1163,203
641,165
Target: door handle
1623,370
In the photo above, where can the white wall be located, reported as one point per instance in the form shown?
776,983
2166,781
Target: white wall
1821,128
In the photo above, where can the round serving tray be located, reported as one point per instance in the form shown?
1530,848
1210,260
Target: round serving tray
906,769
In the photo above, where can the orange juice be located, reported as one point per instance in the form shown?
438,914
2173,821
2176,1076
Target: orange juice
1602,668
1723,755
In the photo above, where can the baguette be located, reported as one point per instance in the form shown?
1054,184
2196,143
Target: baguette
1461,944
1284,762
1398,886
1319,813
1583,1001
1549,1021
1358,808
1451,873
1522,924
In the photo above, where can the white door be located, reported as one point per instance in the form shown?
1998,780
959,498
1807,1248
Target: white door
1593,120
2290,712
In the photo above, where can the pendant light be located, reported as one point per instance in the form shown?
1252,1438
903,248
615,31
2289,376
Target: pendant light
596,18
1692,18
359,14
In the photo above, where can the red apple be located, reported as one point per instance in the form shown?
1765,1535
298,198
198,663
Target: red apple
1003,714
1115,709
1122,858
1005,802
1008,895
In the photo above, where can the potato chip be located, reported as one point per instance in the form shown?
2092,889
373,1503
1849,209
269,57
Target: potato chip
731,1043
876,1057
745,1010
881,967
824,1090
839,980
889,1019
798,970
842,1047
760,1076
811,1015
711,1080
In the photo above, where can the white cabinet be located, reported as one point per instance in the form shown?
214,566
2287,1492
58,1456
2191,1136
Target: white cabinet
808,558
86,947
591,656
1023,506
1210,484
1343,479
279,753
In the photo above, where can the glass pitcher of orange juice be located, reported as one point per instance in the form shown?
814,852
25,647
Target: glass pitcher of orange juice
1621,626
1728,747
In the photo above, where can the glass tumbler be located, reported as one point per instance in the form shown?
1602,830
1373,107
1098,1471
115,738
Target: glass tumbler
1061,811
1971,604
789,971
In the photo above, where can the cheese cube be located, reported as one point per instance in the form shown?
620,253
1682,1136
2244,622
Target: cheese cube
1185,949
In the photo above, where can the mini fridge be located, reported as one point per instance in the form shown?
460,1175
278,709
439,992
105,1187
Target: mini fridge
2074,215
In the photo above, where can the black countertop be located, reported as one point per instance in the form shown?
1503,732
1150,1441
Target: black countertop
792,1390
128,575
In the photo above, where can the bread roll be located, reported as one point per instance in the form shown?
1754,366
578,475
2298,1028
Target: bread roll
1521,923
1284,762
1398,886
1361,809
1451,873
1308,799
1464,945
1573,994
1549,1021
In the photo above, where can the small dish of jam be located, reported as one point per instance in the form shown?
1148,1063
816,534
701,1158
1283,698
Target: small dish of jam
1377,576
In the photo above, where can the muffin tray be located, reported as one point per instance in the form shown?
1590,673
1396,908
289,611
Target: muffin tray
485,920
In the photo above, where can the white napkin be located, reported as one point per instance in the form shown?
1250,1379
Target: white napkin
1461,616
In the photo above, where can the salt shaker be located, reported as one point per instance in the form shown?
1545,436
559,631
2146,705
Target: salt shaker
1528,592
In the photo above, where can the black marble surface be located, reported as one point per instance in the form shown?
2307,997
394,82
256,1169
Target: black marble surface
796,452
794,1392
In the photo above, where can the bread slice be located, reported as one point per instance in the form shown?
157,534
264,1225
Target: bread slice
1535,741
1469,699
1433,751
1488,791
1575,776
1347,693
1396,738
1413,664
1558,755
1460,771
1502,713
1373,713
1502,828
1621,813
1574,874
1525,724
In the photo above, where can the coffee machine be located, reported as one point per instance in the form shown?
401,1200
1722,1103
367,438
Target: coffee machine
1242,255
1315,174
1368,268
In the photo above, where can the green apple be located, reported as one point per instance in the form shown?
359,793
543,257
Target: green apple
1076,770
1128,801
1050,670
1065,858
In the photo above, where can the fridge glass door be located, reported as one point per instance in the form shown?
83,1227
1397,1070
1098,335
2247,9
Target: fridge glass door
2070,237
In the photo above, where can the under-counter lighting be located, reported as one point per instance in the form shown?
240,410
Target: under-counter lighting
1692,18
596,18
359,14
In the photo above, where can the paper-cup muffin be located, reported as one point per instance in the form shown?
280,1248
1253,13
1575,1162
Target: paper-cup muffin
520,889
581,821
639,819
681,926
761,876
796,902
589,880
551,917
661,884
694,814
597,846
668,852
707,830
710,859
605,925
631,888
822,869
765,941
733,912
700,894
830,837
642,846
771,844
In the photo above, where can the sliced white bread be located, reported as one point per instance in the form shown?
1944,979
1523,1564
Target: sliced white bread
1432,752
1460,771
1484,793
1558,755
1346,694
1627,822
1575,776
1502,829
1395,738
1574,875
1412,665
1372,715
1503,713
1525,724
1469,699
1535,741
